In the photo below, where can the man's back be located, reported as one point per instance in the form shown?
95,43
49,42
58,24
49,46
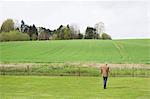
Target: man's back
104,71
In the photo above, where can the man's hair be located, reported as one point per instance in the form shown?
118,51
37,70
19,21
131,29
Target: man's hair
106,64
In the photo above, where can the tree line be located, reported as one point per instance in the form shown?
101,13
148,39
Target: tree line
9,31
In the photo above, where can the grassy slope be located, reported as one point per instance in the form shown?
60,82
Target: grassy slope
116,51
40,87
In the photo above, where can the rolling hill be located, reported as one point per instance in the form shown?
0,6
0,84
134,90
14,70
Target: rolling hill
99,51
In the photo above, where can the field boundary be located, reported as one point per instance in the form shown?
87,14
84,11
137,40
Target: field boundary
116,70
76,64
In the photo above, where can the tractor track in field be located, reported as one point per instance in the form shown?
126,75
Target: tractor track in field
119,48
97,65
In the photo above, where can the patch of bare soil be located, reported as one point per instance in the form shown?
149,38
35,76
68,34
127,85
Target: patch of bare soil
98,65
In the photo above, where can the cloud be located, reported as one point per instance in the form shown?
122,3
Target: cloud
123,19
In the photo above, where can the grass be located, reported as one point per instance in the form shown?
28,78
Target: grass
44,87
100,51
135,51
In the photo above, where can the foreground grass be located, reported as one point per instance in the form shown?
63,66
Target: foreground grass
44,87
101,51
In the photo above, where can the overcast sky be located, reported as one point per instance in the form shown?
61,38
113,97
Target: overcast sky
122,19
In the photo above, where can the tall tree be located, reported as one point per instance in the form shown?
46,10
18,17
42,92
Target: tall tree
90,33
74,30
22,26
33,30
7,25
59,32
100,28
66,32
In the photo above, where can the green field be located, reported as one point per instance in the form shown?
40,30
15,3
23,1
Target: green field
67,78
44,87
100,51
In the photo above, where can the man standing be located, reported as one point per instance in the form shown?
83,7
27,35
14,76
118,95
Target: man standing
104,72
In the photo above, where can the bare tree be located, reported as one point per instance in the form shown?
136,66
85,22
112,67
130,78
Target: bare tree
74,29
100,28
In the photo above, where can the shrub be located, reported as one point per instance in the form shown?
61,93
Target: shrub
43,36
14,36
34,37
105,36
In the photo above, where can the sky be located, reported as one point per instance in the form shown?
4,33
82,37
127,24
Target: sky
123,19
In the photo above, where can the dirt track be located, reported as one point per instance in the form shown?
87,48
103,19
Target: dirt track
146,66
